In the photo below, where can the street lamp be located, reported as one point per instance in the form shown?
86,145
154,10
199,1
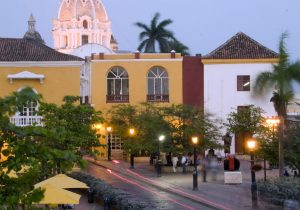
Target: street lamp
195,173
159,164
272,123
97,126
109,130
251,145
131,133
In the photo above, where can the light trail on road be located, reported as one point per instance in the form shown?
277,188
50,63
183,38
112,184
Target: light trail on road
182,192
143,190
149,190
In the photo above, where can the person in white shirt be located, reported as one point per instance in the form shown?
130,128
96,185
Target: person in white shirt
174,162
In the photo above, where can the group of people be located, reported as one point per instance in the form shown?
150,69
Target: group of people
186,160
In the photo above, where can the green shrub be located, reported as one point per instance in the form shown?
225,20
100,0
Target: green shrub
279,189
118,198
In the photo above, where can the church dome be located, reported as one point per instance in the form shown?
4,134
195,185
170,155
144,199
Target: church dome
78,8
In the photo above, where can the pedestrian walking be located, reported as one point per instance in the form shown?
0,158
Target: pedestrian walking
174,163
184,162
213,165
219,157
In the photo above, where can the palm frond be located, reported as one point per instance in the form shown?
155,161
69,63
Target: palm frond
143,26
263,81
177,46
154,21
164,45
142,45
293,71
150,46
164,23
143,35
283,54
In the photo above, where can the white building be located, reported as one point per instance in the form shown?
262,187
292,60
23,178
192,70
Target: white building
81,22
229,75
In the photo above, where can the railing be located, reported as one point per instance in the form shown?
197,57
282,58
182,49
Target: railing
23,121
84,100
117,98
157,98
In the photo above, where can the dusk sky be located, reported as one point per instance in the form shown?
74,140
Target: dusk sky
201,25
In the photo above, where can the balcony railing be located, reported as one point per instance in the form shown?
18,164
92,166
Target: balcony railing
84,100
158,98
117,98
23,121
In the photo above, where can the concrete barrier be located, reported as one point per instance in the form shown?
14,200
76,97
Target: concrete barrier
233,177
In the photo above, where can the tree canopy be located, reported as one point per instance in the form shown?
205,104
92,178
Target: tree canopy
33,153
177,122
156,35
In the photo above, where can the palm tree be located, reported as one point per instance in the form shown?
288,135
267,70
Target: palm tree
154,34
280,80
178,47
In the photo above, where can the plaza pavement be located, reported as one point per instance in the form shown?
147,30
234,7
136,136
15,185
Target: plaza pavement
214,194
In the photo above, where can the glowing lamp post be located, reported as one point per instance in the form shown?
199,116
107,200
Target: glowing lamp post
131,133
109,130
195,173
97,126
251,145
159,164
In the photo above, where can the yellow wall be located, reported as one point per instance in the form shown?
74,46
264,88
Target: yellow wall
58,82
137,71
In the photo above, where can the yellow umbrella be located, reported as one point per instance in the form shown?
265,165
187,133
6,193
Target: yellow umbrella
62,181
55,195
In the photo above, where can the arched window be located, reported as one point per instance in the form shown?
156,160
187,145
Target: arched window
28,115
158,85
85,24
117,86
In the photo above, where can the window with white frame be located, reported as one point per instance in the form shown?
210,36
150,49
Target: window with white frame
29,109
117,85
116,142
158,84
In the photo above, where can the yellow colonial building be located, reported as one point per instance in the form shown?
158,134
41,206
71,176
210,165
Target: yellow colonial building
27,63
135,78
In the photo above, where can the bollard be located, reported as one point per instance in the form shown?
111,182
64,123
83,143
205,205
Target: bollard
158,168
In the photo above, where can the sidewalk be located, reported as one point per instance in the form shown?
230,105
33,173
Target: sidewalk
214,194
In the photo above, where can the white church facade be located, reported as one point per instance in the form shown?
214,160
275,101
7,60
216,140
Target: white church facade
82,22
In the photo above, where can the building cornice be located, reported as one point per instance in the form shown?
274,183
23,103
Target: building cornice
239,61
42,64
137,60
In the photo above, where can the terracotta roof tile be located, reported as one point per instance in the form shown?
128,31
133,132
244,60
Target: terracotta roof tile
29,50
241,46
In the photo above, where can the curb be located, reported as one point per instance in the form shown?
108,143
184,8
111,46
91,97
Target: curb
163,188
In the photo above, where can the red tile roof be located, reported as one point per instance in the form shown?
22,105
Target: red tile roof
241,46
29,50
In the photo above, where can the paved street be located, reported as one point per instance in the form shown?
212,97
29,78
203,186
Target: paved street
160,199
178,187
